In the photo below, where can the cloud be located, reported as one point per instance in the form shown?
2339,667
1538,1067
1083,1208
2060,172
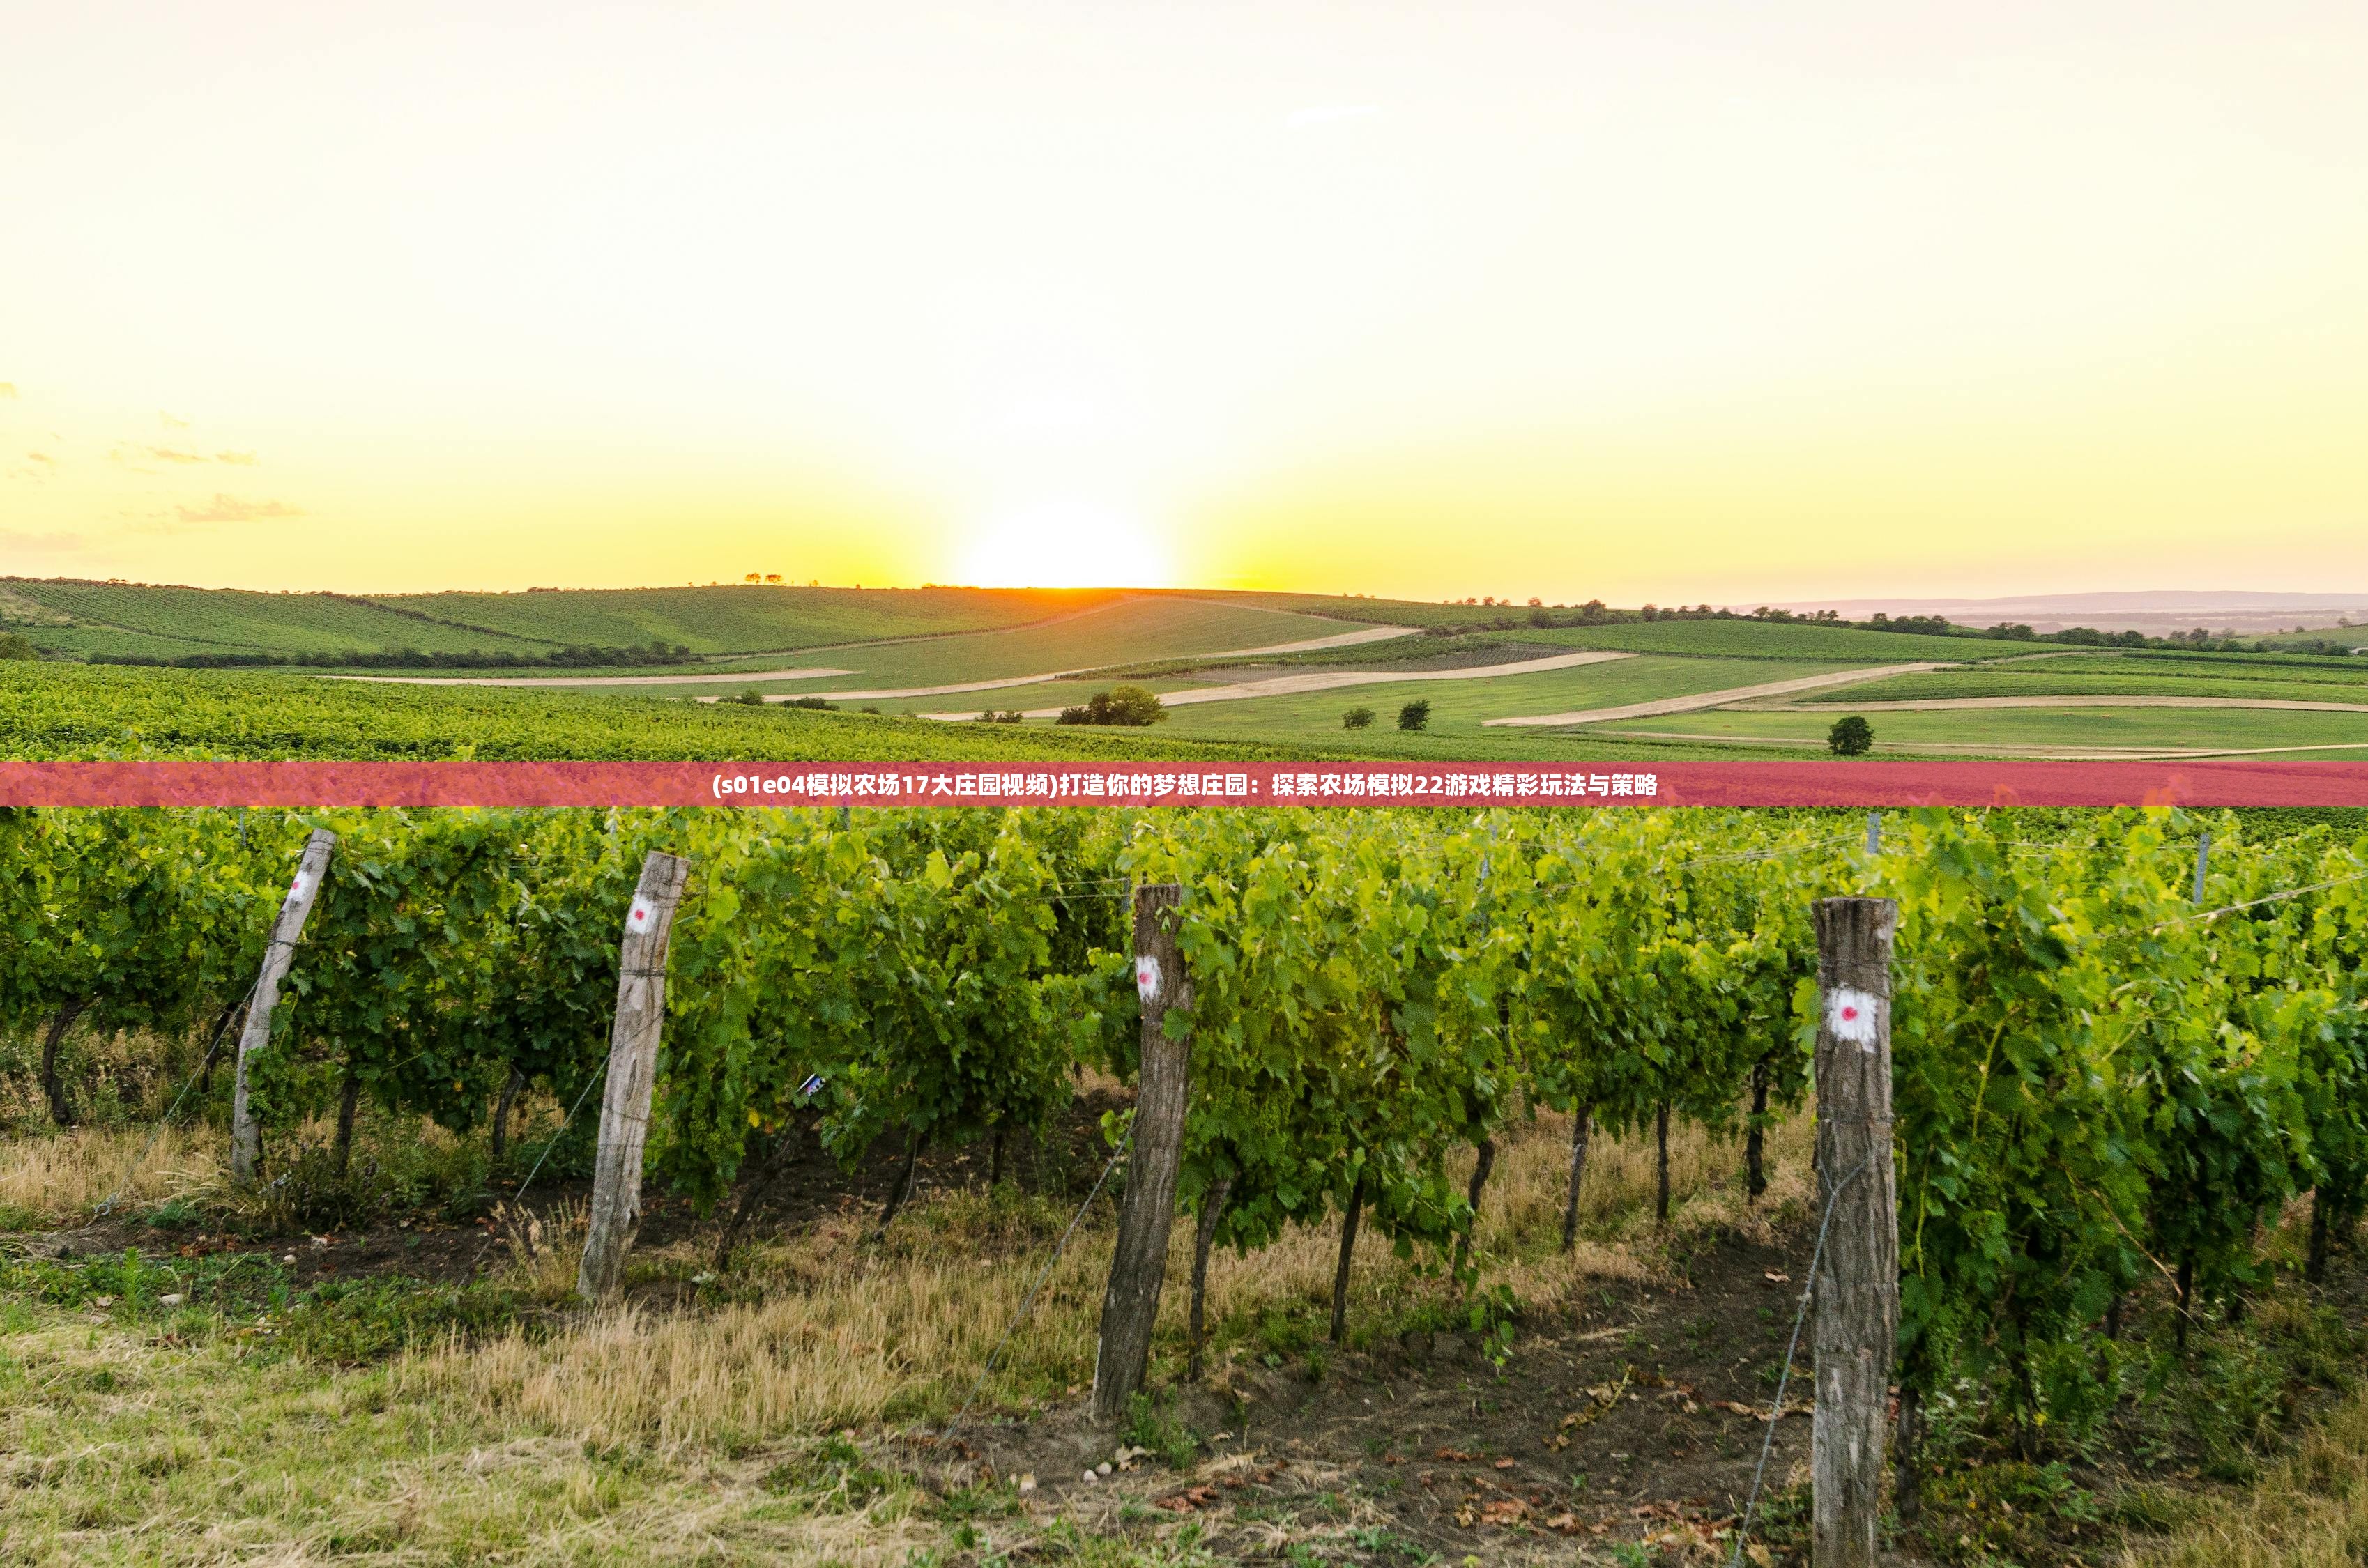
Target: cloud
133,453
169,422
41,544
41,458
1327,114
233,509
7,389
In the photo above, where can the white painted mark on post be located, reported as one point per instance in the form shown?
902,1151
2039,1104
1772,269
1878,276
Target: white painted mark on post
1849,1015
298,887
1147,977
638,917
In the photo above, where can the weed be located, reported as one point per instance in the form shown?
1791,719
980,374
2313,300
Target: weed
1148,1426
994,1500
831,1477
179,1215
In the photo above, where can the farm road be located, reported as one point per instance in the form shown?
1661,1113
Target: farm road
1331,680
1702,699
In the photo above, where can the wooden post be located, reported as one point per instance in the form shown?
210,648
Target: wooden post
245,1137
632,1066
1139,1263
1858,1289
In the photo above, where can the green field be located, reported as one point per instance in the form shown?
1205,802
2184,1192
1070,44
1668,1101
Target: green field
2047,680
1775,639
61,712
221,621
115,618
1110,634
1459,707
71,712
2013,729
2254,667
746,618
1171,641
80,618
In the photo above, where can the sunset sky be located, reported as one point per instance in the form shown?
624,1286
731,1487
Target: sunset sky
1671,300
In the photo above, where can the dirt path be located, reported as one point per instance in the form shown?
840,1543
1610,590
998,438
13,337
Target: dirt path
1633,1414
1333,680
1713,698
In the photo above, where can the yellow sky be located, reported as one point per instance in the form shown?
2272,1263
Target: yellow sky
1671,301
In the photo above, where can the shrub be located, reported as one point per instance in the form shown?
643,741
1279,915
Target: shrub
814,703
1852,736
1357,718
1132,706
17,645
751,697
1415,715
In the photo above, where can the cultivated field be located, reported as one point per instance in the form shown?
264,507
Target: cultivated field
951,651
1117,633
60,711
169,621
2048,732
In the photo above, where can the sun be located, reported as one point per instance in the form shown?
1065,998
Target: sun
1065,544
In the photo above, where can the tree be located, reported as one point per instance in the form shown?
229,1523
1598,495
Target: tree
1132,706
1852,736
17,645
1415,715
1357,718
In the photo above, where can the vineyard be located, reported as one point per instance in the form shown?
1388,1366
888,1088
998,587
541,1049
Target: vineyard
2124,1043
50,711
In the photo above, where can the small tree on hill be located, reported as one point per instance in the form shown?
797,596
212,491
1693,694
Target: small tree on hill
1415,715
1852,736
1132,706
1357,718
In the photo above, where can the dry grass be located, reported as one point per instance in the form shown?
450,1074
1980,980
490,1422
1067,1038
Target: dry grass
546,1249
648,1435
61,1177
2309,1511
843,1332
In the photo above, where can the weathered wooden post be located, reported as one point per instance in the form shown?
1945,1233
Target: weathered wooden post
1139,1263
632,1067
1858,1289
245,1137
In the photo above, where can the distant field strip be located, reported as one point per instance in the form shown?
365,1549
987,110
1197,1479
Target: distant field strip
1706,699
2022,752
2129,679
1935,704
740,679
1333,680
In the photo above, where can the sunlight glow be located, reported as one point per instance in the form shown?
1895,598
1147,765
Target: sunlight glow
1065,544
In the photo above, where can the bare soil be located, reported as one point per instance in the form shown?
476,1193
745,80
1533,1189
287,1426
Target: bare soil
1638,1418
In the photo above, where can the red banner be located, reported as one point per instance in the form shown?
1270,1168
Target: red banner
1451,784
